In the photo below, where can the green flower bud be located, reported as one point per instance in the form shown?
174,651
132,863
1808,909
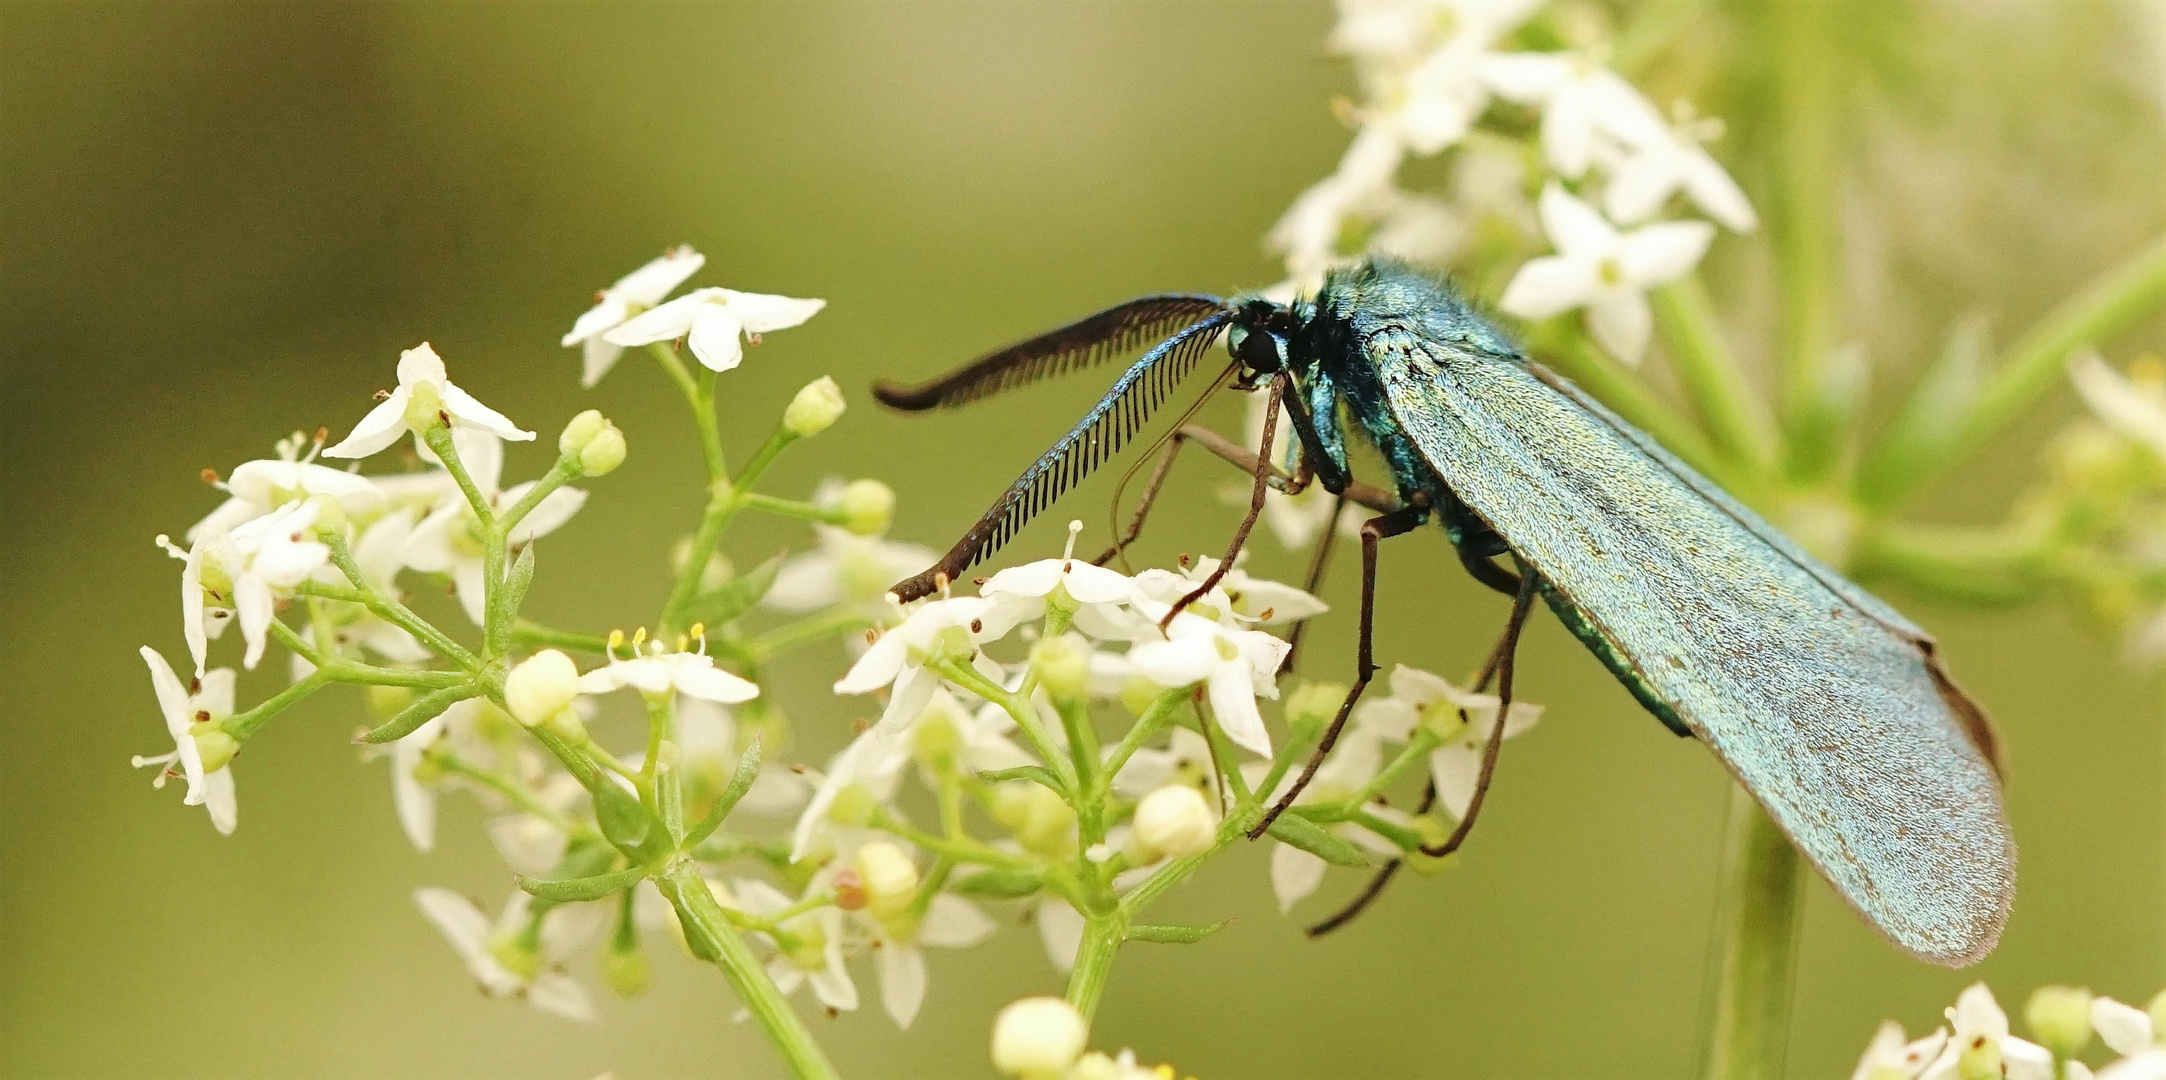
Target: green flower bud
626,970
594,442
1175,821
853,805
543,685
565,724
2060,1018
424,409
386,702
1063,666
1038,1037
213,745
814,409
1311,706
517,950
868,507
1138,694
1038,818
1445,719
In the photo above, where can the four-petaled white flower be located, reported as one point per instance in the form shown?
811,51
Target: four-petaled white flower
420,366
950,922
818,938
716,321
1094,596
844,569
1890,1057
1247,599
210,700
656,673
1643,176
1420,698
633,293
1582,102
949,629
1603,270
1978,1022
1431,101
492,951
1235,665
449,542
258,487
243,572
2129,1032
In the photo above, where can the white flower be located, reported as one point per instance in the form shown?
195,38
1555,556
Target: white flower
1249,599
1038,1037
1308,233
656,673
845,569
210,699
717,321
414,800
1399,30
1644,176
1420,698
258,487
420,366
1978,1022
1581,101
376,552
244,571
492,952
707,737
1060,930
2133,410
633,293
1603,270
950,922
817,957
1355,760
449,542
940,629
1236,665
1094,596
2128,1031
1889,1057
875,759
1430,104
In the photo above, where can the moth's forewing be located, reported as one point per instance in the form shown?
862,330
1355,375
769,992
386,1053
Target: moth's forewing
1825,702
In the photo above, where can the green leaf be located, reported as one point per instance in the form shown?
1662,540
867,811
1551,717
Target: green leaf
623,819
748,770
576,890
734,597
999,884
1175,935
1300,832
1037,774
424,709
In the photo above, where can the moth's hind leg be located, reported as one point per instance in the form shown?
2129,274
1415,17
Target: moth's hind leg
1477,546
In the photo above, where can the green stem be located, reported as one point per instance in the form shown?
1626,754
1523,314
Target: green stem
1802,227
2111,303
808,630
710,936
385,607
1102,936
1736,419
516,794
1760,906
791,508
530,634
243,725
438,439
563,472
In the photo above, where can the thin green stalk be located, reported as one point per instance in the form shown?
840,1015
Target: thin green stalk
1102,934
1149,724
790,508
2111,303
1735,417
385,607
516,794
1802,227
1760,907
530,634
243,725
807,631
563,472
710,936
438,439
1414,754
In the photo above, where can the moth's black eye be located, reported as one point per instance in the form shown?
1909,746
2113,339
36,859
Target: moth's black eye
1257,350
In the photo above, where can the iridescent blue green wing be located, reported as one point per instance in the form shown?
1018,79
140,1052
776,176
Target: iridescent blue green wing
1823,701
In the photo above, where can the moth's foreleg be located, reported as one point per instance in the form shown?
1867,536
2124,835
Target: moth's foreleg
1151,488
1314,579
1501,662
1373,532
1257,497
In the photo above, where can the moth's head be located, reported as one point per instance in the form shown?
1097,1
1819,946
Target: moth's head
1257,338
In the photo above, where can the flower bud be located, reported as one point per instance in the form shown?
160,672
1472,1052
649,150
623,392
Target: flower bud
594,442
1040,820
541,686
2060,1019
1311,706
868,507
1038,1037
213,744
1176,821
1063,666
853,805
424,408
890,877
386,702
814,409
625,968
566,724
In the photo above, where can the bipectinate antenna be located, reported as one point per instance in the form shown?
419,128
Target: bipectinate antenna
1084,343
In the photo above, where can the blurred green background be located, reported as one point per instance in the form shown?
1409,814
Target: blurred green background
221,222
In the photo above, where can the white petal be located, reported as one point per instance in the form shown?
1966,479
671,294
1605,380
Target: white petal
481,453
252,601
1568,134
548,516
603,316
955,923
1712,190
414,801
1577,229
1295,875
464,409
668,322
1622,323
1060,928
1233,702
1457,769
2149,1065
714,684
1089,584
1662,252
380,428
420,364
1548,285
1639,185
559,994
2123,1028
878,667
1526,77
717,338
902,982
659,277
429,547
2118,402
219,800
763,312
1175,663
832,984
528,844
913,691
1031,579
2024,1060
805,583
597,356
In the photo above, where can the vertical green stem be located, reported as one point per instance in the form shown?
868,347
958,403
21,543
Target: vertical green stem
1757,916
1734,416
710,936
1094,961
1802,222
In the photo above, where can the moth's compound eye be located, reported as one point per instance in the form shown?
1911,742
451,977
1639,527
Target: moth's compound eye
1258,351
1235,338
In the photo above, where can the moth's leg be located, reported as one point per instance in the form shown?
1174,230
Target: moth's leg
1506,652
1144,504
1246,460
1314,579
1257,496
1477,545
1373,532
1360,903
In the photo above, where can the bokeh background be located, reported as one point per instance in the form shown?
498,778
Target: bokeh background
220,222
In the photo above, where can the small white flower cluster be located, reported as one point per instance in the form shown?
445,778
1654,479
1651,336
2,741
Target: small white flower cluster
2103,503
1975,1044
1429,72
1042,1038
